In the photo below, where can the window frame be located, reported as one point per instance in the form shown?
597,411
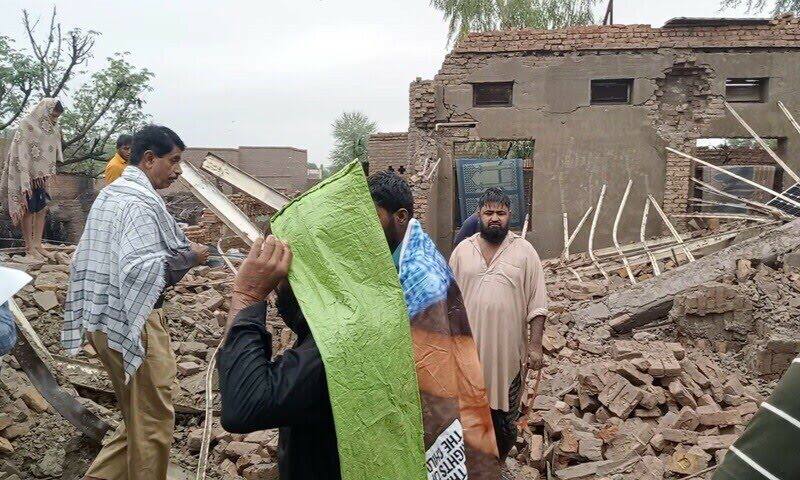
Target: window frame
762,84
629,82
477,85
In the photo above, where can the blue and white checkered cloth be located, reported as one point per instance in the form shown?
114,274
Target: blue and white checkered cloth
424,273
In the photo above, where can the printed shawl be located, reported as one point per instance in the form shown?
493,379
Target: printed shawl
455,406
119,270
32,157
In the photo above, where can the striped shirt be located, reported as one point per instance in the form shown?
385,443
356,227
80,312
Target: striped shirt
768,448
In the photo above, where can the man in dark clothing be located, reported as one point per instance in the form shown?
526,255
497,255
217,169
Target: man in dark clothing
470,227
289,392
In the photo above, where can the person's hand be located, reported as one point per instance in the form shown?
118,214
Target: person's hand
535,357
265,266
200,253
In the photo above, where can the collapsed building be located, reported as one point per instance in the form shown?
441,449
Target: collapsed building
572,110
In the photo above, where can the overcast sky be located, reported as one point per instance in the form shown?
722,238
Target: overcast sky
278,72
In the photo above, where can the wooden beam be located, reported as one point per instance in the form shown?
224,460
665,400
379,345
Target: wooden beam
671,228
631,277
591,232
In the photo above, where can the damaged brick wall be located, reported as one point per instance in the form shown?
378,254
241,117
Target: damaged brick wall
389,151
679,77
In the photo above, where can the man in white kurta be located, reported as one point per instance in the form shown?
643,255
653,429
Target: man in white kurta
502,281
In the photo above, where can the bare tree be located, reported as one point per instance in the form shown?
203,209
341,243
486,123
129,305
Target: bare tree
778,7
107,103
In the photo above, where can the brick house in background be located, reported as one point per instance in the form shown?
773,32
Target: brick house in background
600,104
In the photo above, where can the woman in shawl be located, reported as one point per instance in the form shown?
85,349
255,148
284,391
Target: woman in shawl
31,161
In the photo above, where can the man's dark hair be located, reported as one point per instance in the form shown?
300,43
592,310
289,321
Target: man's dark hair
494,195
159,139
391,192
123,140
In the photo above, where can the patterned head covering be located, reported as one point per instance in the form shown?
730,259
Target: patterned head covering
32,157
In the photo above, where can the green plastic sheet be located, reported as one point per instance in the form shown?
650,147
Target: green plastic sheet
348,288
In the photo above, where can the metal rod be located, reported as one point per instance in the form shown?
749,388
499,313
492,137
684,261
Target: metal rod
737,177
789,116
591,232
578,228
653,261
616,227
671,228
724,216
711,203
763,144
713,189
565,252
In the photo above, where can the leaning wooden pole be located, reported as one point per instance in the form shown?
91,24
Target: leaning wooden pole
789,116
772,192
565,252
616,227
577,230
642,235
671,228
763,144
591,232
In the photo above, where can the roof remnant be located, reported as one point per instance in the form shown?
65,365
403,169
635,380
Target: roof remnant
714,22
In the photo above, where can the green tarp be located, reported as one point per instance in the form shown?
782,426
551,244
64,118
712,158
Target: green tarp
349,291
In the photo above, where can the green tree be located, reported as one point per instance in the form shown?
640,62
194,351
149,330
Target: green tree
351,130
98,105
466,16
778,7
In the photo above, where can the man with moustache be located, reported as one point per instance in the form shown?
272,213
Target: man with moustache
502,281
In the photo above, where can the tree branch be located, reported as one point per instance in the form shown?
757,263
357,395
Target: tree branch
82,132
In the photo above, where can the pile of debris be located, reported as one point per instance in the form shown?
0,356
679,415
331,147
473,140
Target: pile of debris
196,310
640,408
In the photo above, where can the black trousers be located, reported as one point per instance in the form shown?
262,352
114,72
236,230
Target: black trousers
505,423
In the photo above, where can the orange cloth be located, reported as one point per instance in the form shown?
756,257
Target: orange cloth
114,168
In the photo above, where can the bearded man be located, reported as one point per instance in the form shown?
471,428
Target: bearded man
502,281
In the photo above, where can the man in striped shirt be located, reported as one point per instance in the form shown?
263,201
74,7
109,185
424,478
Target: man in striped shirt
768,448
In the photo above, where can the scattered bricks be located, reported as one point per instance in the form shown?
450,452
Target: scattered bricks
552,422
562,407
246,460
552,340
579,471
696,375
602,415
677,350
632,374
237,449
716,442
687,461
589,346
719,418
590,379
645,413
658,442
260,437
680,394
707,400
34,400
543,402
623,404
649,400
5,446
261,471
590,447
642,364
568,446
228,469
686,419
734,387
536,445
197,349
680,436
719,456
5,420
626,350
195,440
188,368
46,300
748,408
210,300
17,430
633,439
